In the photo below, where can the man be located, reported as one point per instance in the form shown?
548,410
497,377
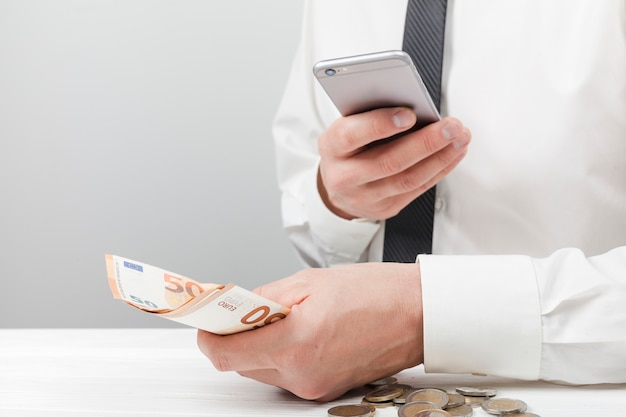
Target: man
528,273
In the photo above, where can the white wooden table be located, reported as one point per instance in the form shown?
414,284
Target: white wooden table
161,372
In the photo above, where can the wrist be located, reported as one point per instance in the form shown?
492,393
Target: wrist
323,192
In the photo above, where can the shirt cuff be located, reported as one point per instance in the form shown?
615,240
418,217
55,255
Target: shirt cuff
481,315
344,240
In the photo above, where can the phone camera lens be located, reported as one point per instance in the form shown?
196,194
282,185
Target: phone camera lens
330,72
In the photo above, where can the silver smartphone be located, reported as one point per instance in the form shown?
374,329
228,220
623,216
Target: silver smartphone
382,79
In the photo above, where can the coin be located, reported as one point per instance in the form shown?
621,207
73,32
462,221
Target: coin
501,406
403,386
437,388
475,401
350,410
461,411
477,391
383,381
401,399
429,401
454,400
383,404
406,390
412,408
385,393
525,415
433,413
440,398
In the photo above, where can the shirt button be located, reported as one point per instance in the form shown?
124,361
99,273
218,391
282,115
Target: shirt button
439,204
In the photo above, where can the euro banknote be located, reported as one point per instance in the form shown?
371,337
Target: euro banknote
219,309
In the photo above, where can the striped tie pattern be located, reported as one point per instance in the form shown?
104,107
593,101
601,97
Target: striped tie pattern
410,232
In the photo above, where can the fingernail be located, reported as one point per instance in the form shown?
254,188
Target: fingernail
451,129
461,141
403,119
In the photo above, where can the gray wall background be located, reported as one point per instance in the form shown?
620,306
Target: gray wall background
140,128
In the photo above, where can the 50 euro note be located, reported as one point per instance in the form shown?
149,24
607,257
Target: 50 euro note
219,309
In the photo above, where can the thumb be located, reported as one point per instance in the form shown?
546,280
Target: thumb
288,291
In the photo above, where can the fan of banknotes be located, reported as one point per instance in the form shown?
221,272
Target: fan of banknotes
219,309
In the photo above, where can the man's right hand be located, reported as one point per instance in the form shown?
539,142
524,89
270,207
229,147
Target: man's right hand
356,180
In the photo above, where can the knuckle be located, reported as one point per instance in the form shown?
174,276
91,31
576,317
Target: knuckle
449,166
347,136
389,164
221,362
341,182
297,358
327,145
441,160
410,182
389,211
262,290
301,361
309,386
336,181
429,144
447,156
378,127
312,390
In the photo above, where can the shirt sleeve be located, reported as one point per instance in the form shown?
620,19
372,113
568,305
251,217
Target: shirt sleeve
561,318
319,236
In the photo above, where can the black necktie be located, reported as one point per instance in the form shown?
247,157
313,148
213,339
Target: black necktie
410,232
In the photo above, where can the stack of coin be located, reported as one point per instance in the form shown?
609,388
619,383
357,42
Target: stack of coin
414,408
383,396
454,400
351,410
431,402
436,396
501,406
390,380
474,396
432,413
406,390
484,397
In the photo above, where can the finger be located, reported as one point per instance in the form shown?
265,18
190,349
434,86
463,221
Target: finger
266,376
254,350
245,351
349,135
420,176
394,157
299,387
406,151
291,290
387,196
392,206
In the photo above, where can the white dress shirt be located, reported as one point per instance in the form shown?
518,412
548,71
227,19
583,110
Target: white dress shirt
528,273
